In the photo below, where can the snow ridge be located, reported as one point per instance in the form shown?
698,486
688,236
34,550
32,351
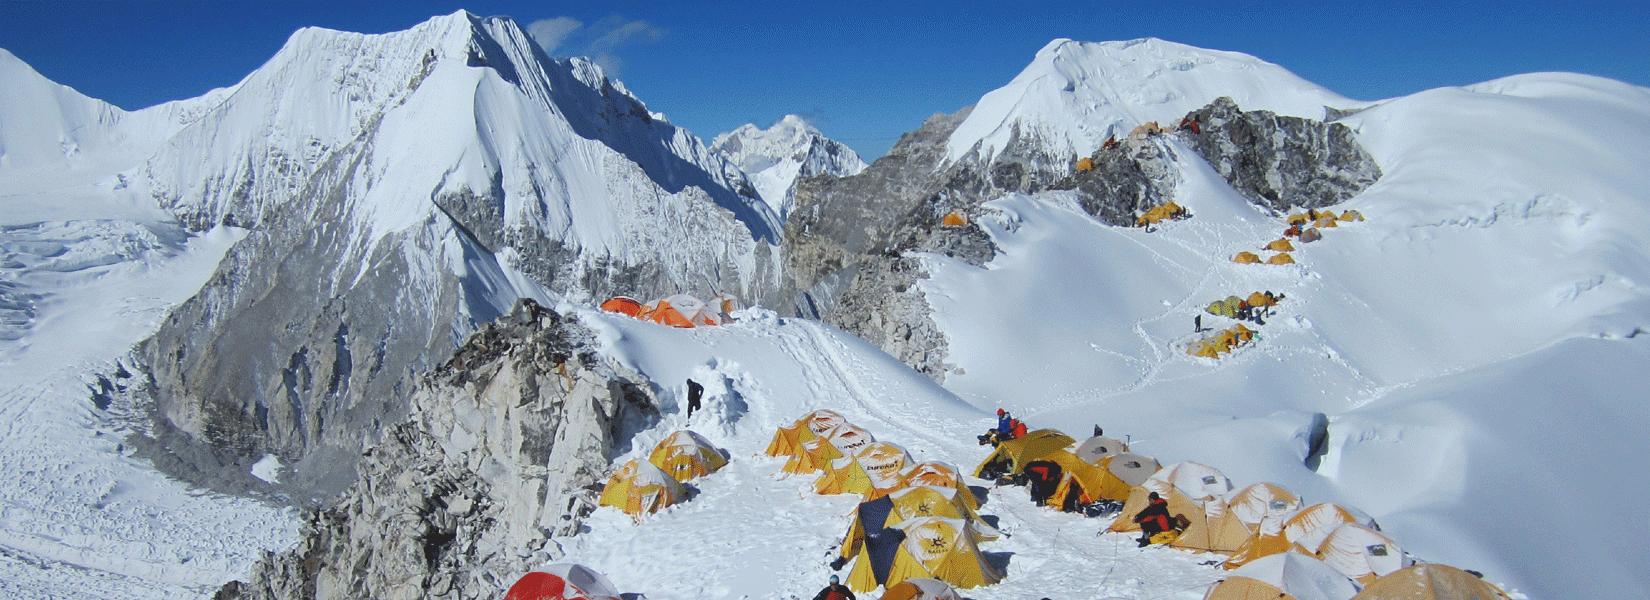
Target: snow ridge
1074,95
776,157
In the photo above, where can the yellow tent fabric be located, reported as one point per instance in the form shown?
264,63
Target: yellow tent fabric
1085,164
940,475
1019,451
1431,582
1268,540
787,441
920,588
1281,258
1186,485
1297,576
1246,257
1238,587
872,472
686,456
1296,219
916,502
1352,215
1307,529
1139,498
1326,221
640,488
1260,501
954,219
1215,529
940,548
845,439
1361,553
1280,245
1160,213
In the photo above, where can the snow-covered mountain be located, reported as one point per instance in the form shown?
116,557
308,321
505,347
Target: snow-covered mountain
776,157
252,278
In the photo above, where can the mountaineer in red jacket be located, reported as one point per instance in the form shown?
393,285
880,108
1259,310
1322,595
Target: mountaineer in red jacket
1153,519
835,591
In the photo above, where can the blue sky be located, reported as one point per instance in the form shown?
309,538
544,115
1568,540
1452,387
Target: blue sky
863,72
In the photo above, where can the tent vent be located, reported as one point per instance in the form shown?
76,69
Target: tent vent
1209,480
1279,505
1377,550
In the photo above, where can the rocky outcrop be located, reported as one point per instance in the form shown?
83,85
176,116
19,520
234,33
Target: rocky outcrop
1279,162
1129,177
848,243
503,448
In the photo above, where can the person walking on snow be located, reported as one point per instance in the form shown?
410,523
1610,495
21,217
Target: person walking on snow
835,591
694,392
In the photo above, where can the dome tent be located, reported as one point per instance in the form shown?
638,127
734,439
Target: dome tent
640,488
787,441
686,456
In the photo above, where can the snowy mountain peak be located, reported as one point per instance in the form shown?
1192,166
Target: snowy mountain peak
1074,95
776,157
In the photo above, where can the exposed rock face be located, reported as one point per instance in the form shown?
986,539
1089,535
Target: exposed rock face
503,448
1282,162
374,244
848,239
1129,177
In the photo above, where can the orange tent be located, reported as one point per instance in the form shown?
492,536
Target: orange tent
623,305
1085,164
954,219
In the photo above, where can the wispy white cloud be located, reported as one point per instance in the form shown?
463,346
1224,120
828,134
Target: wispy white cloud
601,41
550,33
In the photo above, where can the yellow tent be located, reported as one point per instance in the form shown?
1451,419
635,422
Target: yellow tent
1215,529
1260,300
845,439
954,219
911,503
940,475
1296,219
686,455
1361,553
640,488
934,547
1281,258
787,441
1326,221
1085,164
1430,582
1280,245
1283,576
1267,540
1246,257
1260,501
1308,529
1352,215
920,588
872,472
1186,485
1011,456
1160,213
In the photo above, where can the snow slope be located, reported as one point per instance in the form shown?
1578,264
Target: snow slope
1495,296
1074,95
748,532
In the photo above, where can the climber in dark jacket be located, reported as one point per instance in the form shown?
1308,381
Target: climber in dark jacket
835,591
695,391
1153,519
